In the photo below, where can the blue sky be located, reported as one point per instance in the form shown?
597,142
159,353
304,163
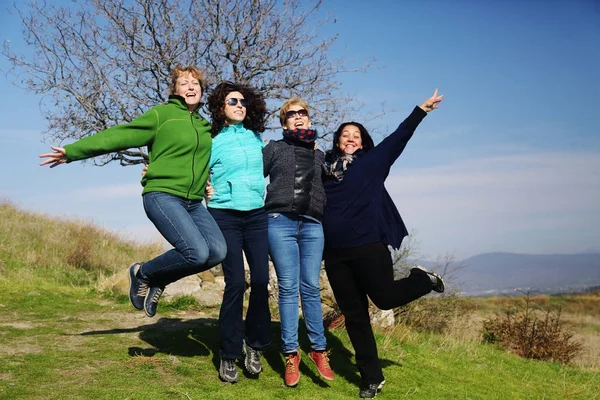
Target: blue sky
510,161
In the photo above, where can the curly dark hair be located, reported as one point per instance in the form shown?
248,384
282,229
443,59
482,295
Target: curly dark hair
367,140
256,112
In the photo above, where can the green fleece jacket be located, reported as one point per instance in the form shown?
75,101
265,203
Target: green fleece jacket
179,145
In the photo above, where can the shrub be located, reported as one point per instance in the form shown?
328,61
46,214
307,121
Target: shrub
530,333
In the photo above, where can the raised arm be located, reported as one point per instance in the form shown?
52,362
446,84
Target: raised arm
388,151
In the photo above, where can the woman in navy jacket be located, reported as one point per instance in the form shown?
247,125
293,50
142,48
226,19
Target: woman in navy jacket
360,222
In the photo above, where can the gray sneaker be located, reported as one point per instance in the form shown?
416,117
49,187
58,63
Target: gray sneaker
228,371
151,300
370,391
252,360
138,287
437,283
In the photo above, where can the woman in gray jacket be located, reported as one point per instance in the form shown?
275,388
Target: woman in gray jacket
295,202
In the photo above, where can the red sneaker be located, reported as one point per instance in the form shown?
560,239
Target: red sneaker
292,369
321,359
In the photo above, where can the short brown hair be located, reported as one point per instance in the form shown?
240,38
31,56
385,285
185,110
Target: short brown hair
180,71
292,102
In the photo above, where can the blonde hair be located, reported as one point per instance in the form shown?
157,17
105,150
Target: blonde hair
180,71
288,104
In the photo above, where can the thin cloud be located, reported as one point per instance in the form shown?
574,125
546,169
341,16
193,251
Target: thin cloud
552,200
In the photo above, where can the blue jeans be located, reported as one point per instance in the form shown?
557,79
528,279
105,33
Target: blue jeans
244,231
188,227
296,247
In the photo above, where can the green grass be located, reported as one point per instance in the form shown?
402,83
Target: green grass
67,342
60,339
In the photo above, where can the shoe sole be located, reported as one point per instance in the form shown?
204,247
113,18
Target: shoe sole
148,314
439,287
224,380
319,371
292,384
130,284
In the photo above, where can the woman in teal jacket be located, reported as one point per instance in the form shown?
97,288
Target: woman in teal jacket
179,144
236,175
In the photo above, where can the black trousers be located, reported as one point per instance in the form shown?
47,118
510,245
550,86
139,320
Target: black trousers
357,272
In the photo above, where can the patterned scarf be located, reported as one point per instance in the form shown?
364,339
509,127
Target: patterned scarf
300,135
336,166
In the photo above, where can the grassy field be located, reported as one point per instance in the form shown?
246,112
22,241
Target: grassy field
60,339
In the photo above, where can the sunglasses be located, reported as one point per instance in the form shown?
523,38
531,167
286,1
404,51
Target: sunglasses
291,114
232,101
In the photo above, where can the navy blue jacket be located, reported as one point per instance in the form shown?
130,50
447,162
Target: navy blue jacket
359,209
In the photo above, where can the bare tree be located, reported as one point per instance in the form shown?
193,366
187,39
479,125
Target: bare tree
99,63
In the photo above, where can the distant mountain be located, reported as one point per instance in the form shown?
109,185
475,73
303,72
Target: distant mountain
495,273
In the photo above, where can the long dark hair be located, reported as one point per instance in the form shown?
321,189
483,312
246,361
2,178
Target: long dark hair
256,112
367,140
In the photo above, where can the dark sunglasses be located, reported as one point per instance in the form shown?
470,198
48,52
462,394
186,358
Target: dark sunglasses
232,101
291,114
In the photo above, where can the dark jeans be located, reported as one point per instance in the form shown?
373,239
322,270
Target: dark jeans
188,227
247,231
357,272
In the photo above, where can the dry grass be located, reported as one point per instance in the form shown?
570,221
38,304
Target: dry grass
30,241
72,249
579,313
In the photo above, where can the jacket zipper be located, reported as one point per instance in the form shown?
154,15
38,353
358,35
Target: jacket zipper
193,156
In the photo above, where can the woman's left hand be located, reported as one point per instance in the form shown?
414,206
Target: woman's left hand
431,103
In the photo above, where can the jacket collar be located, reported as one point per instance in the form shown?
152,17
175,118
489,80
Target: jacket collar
179,101
237,128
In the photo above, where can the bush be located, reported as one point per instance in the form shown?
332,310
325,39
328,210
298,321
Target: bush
433,314
530,333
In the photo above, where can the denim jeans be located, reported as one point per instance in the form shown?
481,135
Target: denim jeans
197,242
296,247
244,231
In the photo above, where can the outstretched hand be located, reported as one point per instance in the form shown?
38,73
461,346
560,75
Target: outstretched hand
432,103
57,157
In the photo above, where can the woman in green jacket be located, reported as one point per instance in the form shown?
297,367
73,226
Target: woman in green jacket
179,144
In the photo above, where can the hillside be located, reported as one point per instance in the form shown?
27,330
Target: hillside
60,339
509,273
503,272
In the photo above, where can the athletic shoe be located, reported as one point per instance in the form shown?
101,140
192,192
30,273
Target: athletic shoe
138,286
228,371
151,300
370,391
252,360
437,283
